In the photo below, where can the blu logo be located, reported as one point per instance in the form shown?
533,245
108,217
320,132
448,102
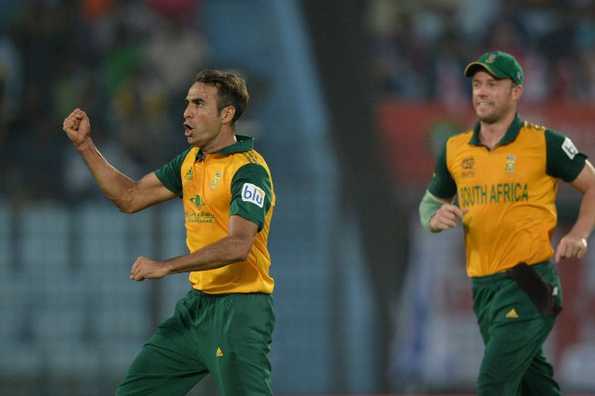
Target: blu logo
253,194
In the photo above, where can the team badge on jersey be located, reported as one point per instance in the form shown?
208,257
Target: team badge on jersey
510,163
253,194
215,180
569,148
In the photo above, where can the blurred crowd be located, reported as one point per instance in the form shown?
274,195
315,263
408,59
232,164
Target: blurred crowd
128,64
420,48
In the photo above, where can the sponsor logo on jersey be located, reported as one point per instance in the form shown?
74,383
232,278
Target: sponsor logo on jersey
569,148
200,217
253,194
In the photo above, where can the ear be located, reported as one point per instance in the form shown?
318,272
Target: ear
517,91
227,114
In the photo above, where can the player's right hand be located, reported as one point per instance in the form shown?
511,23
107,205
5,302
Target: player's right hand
77,127
448,216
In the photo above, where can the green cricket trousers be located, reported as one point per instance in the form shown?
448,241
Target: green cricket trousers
513,331
227,336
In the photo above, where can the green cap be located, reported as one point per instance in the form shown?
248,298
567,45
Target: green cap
500,65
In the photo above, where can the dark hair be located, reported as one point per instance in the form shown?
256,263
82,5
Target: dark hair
231,89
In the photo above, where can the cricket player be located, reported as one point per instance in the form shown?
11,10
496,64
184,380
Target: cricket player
504,175
224,324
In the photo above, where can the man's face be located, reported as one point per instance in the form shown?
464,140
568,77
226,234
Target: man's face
493,99
202,119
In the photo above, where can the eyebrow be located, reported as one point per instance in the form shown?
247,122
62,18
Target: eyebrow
491,78
194,100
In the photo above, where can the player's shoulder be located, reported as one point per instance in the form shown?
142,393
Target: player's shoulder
184,157
248,161
534,135
460,138
250,157
189,152
532,127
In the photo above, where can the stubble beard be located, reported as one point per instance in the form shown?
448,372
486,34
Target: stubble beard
490,119
495,116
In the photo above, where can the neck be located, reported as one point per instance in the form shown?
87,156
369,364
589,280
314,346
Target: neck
491,133
225,138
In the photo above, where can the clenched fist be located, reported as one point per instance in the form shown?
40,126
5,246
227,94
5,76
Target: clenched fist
448,216
146,268
77,127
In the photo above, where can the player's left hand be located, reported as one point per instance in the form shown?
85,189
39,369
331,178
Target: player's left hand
146,268
571,246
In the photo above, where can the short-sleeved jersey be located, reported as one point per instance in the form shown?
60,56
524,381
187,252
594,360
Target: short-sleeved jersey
233,181
509,191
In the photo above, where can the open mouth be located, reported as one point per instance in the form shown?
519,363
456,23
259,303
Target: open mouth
187,130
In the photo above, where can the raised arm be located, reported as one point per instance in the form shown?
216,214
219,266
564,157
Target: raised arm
128,195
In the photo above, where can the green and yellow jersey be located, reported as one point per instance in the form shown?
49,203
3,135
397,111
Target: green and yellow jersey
509,191
233,181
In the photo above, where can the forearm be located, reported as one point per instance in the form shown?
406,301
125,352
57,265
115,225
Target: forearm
219,254
428,206
115,185
586,217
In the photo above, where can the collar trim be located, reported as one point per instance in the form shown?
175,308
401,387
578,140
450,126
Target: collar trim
243,144
511,133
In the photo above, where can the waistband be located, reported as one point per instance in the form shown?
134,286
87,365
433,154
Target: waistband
201,293
498,276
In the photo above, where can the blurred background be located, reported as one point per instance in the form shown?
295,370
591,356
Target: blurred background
350,101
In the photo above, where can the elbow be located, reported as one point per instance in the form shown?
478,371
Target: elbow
242,250
126,204
127,209
243,255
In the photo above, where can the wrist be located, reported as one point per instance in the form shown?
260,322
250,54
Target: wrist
85,145
579,234
169,266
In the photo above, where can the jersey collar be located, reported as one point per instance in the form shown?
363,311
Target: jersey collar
509,136
242,144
